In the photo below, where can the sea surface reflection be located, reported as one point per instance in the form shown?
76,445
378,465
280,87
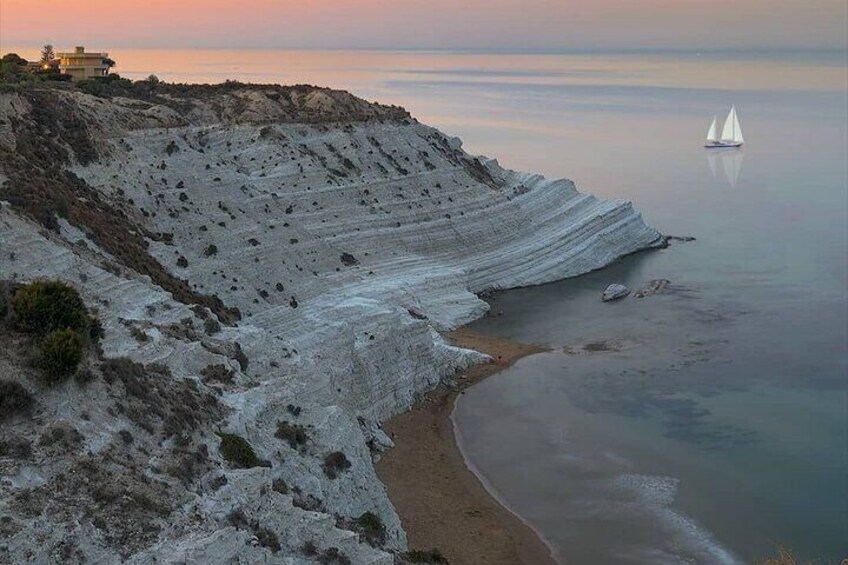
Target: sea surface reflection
728,162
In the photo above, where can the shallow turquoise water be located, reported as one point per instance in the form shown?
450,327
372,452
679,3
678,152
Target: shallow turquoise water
714,426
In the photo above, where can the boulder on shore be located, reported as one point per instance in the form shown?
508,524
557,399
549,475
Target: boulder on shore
615,291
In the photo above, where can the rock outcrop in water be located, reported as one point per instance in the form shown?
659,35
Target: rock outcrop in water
654,287
615,292
292,251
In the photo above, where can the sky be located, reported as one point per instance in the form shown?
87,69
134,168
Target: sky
428,24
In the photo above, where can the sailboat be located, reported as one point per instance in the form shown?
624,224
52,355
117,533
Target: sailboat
731,133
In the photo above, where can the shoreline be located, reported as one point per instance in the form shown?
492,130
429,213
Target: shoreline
441,501
490,490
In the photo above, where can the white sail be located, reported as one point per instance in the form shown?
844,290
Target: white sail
737,129
711,134
732,130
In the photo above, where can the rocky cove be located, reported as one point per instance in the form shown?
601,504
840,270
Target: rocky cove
295,253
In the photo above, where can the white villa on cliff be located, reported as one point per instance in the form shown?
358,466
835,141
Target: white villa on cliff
82,65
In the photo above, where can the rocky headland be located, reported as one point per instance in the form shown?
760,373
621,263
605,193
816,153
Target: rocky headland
272,268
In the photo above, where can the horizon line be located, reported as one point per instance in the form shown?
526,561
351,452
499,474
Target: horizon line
489,50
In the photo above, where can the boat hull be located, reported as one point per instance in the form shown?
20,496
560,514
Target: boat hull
722,144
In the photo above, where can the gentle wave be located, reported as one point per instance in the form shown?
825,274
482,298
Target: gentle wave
692,543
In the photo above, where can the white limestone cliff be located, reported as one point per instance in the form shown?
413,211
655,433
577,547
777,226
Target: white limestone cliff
347,245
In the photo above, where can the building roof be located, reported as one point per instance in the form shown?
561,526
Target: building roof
81,52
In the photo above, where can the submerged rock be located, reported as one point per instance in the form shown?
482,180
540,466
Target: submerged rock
667,240
615,291
654,287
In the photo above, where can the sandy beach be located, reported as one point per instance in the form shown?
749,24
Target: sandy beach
442,504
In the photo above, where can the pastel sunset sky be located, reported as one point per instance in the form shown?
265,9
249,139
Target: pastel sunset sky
505,24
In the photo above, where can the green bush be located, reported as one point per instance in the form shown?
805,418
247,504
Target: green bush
280,486
12,68
267,538
294,434
371,528
44,306
104,87
14,398
238,452
17,447
335,463
217,373
237,519
60,353
310,549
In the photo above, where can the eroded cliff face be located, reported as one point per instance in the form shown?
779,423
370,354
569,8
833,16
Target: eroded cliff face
292,252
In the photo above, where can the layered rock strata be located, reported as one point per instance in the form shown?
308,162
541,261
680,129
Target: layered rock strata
304,246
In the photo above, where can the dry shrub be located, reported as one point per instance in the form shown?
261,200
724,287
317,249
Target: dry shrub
44,306
294,434
238,452
60,353
14,399
371,528
335,463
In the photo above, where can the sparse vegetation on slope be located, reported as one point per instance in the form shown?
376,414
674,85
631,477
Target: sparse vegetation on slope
264,536
114,490
45,306
153,399
48,139
56,320
371,528
294,434
335,463
298,103
109,492
238,452
61,352
14,399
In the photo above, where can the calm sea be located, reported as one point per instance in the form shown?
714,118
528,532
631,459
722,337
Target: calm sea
709,423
